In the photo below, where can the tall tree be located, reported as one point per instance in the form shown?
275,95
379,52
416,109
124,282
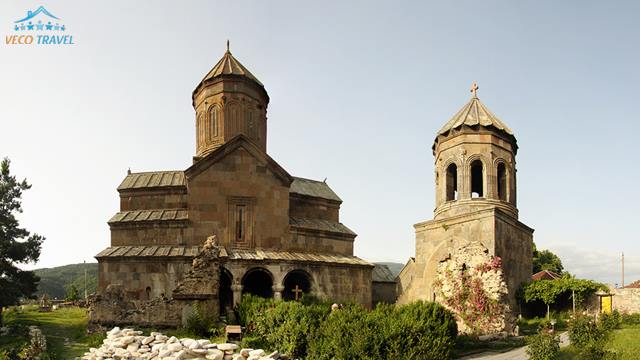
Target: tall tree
546,260
17,245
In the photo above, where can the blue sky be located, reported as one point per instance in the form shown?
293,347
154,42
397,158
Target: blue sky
358,91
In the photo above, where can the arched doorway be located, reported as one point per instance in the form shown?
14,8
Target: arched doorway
259,282
296,283
225,294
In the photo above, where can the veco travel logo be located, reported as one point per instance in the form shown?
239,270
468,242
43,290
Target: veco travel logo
39,27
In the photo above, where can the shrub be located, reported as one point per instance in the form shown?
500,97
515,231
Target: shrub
200,323
596,351
631,319
415,331
583,330
251,308
543,346
612,321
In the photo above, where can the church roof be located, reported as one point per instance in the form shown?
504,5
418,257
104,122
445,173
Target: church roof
137,216
313,188
320,224
229,65
152,180
472,114
172,251
381,273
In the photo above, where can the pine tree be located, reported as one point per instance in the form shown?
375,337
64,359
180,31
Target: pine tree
17,245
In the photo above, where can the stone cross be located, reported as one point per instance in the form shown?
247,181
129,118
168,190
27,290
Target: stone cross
297,291
474,90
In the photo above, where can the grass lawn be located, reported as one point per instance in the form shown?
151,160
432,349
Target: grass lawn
65,330
625,342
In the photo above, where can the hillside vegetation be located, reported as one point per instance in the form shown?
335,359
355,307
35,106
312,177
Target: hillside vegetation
55,281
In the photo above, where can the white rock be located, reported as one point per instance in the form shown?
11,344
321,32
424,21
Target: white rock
214,354
257,352
245,352
148,340
172,340
225,347
175,346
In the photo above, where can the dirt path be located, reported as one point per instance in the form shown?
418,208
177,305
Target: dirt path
515,354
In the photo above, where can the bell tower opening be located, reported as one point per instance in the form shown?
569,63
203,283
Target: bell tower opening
451,182
502,182
477,179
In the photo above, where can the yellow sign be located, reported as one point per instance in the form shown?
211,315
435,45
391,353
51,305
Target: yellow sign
605,304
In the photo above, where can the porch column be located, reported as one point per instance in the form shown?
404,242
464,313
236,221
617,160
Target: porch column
237,294
277,292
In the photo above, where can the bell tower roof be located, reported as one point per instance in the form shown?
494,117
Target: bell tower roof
475,114
229,65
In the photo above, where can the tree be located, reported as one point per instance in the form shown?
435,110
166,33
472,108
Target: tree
548,291
72,293
546,260
17,245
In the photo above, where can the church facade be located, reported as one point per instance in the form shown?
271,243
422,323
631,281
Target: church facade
475,192
269,233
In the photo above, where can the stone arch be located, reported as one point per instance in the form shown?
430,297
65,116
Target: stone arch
213,121
296,283
225,293
258,281
451,184
477,176
502,183
232,113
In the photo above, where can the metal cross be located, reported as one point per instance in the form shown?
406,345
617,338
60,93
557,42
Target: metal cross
474,90
297,291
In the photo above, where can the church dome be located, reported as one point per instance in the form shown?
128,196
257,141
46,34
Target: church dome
475,114
229,65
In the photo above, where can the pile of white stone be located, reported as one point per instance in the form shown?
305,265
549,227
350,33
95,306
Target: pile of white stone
132,345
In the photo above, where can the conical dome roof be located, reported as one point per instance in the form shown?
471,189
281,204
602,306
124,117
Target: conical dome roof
229,65
472,114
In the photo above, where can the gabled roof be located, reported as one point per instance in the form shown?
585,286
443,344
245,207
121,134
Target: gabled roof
229,147
153,179
138,216
472,114
229,65
321,225
545,275
381,273
313,188
633,285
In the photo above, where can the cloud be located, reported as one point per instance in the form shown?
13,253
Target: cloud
603,266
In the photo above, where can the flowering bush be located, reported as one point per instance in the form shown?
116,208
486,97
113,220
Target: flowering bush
471,285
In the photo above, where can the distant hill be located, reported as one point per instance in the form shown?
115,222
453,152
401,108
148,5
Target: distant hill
394,267
55,281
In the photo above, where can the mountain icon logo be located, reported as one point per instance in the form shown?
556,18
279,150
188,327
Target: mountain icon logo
32,14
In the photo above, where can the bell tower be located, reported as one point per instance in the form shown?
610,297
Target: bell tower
475,159
475,210
229,101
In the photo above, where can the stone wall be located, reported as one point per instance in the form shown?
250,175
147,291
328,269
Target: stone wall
150,233
142,279
626,300
383,292
239,177
155,198
304,240
314,208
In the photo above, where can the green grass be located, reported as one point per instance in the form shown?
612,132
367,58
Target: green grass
625,342
65,330
466,345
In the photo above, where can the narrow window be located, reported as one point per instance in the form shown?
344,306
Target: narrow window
502,182
240,222
148,292
451,182
214,121
477,176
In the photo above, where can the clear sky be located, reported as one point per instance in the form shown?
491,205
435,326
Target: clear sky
358,90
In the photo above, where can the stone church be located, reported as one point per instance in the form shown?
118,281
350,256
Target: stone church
267,233
475,192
